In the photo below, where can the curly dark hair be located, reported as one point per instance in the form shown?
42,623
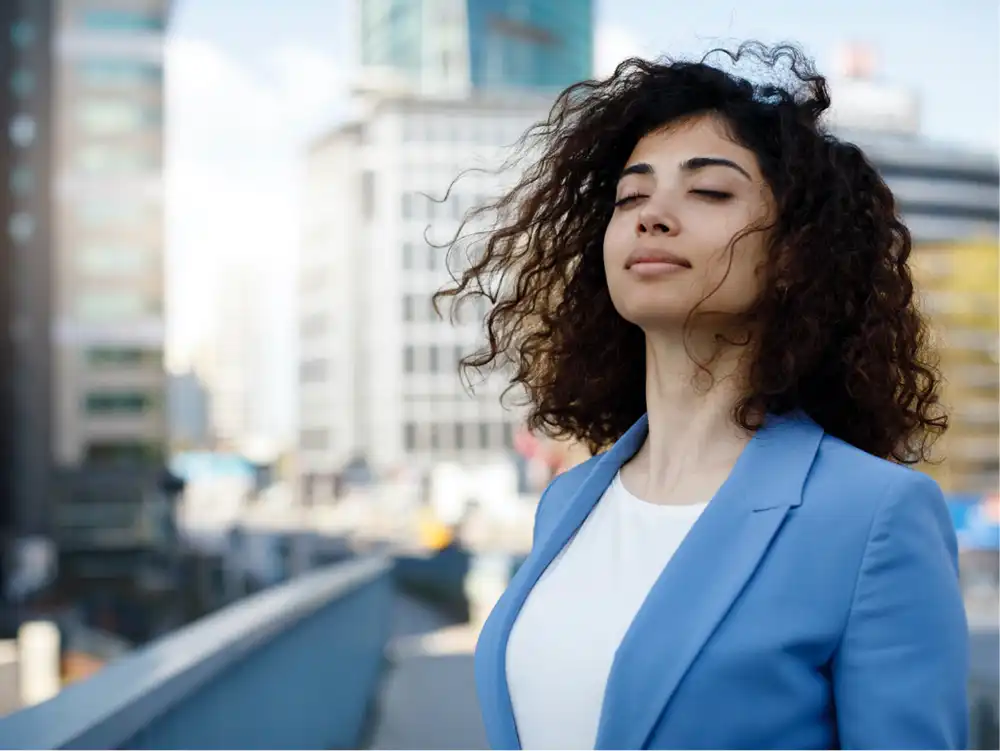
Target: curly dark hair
839,334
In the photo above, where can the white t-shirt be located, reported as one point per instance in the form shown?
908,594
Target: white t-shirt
563,642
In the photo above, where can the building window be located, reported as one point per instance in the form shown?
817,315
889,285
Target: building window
312,371
122,357
409,256
434,364
22,82
408,359
460,436
21,180
435,436
408,308
114,117
119,403
106,306
368,194
508,436
314,325
410,436
314,439
484,435
124,452
120,73
121,21
112,260
97,215
113,160
22,130
21,227
407,205
22,34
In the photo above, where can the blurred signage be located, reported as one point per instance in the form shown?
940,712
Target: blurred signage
195,466
32,566
977,521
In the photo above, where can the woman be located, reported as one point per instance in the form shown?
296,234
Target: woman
712,293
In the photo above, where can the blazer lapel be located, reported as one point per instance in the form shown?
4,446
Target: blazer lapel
498,713
708,572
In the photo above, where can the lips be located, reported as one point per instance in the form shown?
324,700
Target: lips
655,256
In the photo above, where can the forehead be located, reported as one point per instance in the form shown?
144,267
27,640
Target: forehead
704,135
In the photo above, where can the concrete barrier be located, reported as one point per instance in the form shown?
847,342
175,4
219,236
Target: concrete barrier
457,580
296,666
438,578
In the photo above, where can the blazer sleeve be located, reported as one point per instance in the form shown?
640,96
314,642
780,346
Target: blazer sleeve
901,670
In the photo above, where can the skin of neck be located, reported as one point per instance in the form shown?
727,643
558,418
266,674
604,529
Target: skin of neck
691,427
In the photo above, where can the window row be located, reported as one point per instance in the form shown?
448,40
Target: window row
115,260
433,206
107,159
314,439
118,20
125,452
312,371
105,117
423,257
480,131
420,309
458,436
109,73
313,325
430,359
120,403
106,306
122,357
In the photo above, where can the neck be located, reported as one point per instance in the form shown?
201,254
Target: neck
691,427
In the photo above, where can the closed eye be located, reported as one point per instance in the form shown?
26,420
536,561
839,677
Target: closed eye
713,195
626,200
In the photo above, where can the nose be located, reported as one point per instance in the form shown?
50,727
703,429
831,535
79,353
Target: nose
652,221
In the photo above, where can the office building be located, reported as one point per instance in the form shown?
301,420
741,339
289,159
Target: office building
455,47
958,287
944,192
378,370
190,409
26,426
228,358
85,383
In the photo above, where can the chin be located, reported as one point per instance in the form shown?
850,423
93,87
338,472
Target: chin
655,315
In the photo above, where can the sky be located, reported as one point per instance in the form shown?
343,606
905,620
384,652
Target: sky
250,81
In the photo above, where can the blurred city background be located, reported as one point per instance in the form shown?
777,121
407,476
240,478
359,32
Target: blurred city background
245,499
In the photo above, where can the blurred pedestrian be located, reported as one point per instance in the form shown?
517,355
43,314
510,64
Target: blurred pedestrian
712,293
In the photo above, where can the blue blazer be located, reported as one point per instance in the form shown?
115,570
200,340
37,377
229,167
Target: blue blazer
815,604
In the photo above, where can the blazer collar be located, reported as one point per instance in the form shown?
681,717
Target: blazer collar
696,588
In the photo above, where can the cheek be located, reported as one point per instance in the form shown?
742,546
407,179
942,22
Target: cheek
742,280
614,245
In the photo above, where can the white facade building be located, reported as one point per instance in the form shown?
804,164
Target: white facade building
378,370
109,382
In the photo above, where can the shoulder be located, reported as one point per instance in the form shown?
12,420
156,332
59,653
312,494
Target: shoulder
872,498
840,467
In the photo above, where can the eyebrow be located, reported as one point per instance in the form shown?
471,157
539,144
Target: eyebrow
691,165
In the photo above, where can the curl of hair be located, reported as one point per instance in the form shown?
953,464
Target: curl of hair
839,335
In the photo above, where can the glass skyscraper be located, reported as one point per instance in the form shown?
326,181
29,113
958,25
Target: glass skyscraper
538,45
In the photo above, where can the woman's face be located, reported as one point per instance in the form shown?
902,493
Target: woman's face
684,194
